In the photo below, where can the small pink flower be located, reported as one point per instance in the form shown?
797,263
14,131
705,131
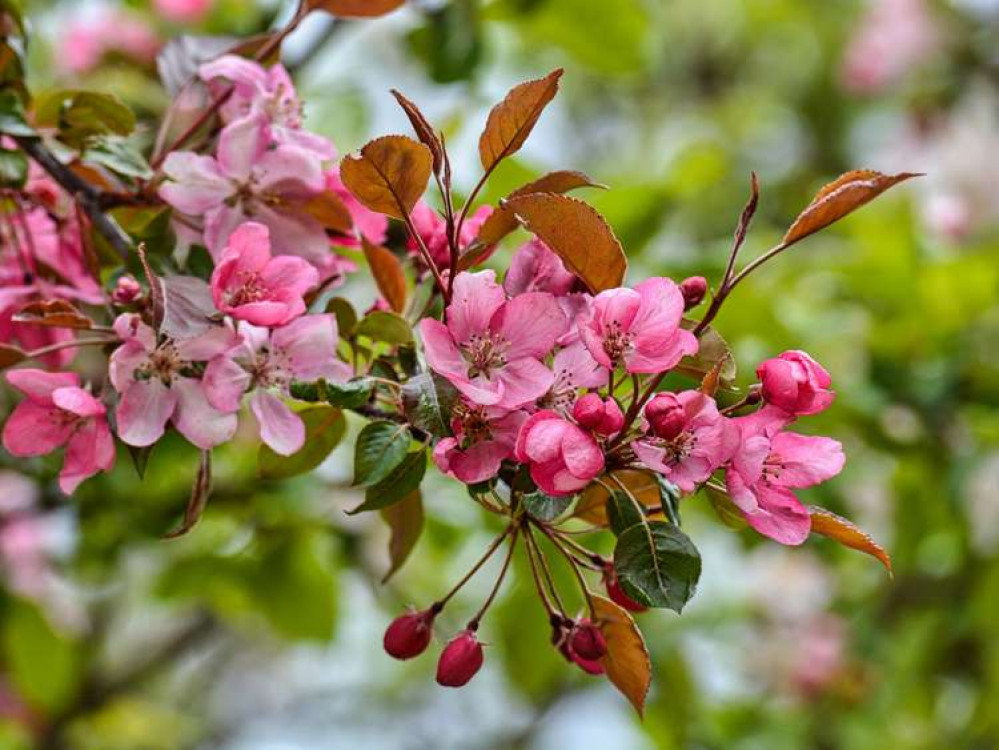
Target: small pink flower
768,464
249,180
59,412
158,384
266,362
184,11
602,417
574,368
563,458
491,348
126,290
433,231
697,439
535,268
639,328
85,41
250,285
795,383
484,436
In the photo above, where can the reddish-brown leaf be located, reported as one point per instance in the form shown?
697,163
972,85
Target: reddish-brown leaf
846,533
329,210
502,221
355,8
405,519
389,175
627,660
577,234
839,198
513,119
55,313
642,484
388,274
10,355
423,129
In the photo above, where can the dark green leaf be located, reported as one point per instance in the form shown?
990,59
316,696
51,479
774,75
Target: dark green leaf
428,400
402,480
83,115
346,318
381,447
546,507
622,512
405,519
118,155
12,120
349,395
386,327
324,429
13,168
657,565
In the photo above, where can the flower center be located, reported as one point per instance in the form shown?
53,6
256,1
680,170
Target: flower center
164,363
251,288
772,467
617,341
678,448
485,352
473,425
271,369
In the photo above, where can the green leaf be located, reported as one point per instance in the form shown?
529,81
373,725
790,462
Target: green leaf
657,565
712,350
41,664
346,317
405,519
118,155
727,511
83,115
381,447
324,429
349,395
13,168
546,507
622,513
402,480
12,120
428,401
385,326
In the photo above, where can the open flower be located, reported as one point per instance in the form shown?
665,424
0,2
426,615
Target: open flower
266,362
795,383
574,368
563,457
491,347
639,328
58,412
484,436
535,268
768,464
158,383
250,285
687,439
249,180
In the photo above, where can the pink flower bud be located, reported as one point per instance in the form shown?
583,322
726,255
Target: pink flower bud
616,593
602,417
409,634
665,415
590,666
126,291
461,659
795,383
586,641
693,289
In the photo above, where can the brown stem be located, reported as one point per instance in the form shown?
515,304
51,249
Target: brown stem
557,543
439,604
473,624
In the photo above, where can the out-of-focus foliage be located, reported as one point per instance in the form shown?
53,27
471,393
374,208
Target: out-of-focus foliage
113,638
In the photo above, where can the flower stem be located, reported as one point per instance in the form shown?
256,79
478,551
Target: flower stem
439,604
473,624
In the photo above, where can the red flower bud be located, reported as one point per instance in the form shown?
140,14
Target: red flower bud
126,291
409,634
587,642
693,289
602,417
665,415
590,666
616,593
461,659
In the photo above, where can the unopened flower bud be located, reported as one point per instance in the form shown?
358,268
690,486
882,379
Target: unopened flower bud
693,289
590,666
587,641
665,415
126,291
409,634
616,593
461,659
795,383
602,417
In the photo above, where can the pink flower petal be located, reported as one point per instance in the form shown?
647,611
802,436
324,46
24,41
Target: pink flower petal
280,428
77,401
89,451
34,430
476,299
224,384
39,385
197,420
531,323
197,184
144,409
807,460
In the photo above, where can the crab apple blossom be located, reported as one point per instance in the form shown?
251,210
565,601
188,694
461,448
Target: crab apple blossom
432,230
491,348
563,457
535,268
265,362
601,417
408,635
768,464
484,437
693,289
638,328
250,285
460,661
688,439
158,383
796,383
126,290
58,412
574,368
184,11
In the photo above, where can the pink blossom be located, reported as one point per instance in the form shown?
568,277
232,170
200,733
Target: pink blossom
158,384
768,464
266,362
85,41
59,412
535,268
267,92
696,440
639,328
249,180
433,231
491,348
601,417
563,458
574,368
250,285
484,436
795,383
126,290
184,11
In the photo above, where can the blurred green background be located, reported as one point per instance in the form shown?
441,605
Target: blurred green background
261,630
